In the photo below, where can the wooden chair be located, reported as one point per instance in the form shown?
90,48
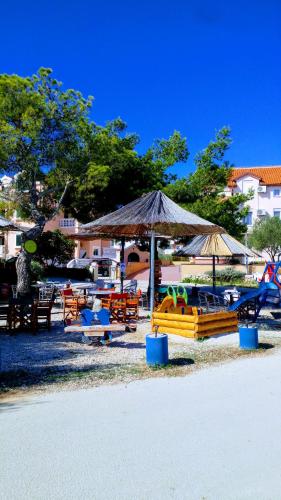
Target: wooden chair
5,317
47,293
41,314
132,309
116,304
72,304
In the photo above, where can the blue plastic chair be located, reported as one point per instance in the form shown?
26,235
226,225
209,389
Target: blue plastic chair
102,317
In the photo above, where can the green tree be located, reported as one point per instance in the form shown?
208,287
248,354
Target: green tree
115,174
202,192
54,248
41,126
266,236
47,138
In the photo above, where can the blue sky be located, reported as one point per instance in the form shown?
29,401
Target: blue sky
188,65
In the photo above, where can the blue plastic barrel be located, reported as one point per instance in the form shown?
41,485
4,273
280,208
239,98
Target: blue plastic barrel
248,337
157,349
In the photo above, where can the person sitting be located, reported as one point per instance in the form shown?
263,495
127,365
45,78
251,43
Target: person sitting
97,315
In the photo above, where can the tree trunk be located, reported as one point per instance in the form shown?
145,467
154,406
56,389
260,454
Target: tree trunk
23,273
23,264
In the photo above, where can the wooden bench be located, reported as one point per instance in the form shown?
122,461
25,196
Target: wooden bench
95,330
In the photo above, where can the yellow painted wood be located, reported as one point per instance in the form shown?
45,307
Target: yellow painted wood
183,333
183,325
175,317
204,318
216,324
217,331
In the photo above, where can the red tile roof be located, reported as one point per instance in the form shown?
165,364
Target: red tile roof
269,176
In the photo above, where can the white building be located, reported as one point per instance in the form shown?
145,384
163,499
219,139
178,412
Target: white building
265,183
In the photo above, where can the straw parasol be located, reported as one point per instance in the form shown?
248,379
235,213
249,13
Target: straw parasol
6,225
151,214
216,245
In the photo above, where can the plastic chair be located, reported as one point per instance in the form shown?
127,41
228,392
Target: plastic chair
102,317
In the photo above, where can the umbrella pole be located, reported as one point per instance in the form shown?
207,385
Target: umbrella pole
152,287
214,273
122,258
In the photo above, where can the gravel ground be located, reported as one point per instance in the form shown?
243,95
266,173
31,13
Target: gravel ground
59,359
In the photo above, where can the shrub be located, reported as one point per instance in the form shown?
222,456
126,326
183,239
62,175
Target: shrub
166,260
54,248
37,270
229,275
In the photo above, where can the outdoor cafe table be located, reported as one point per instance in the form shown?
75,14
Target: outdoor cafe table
94,291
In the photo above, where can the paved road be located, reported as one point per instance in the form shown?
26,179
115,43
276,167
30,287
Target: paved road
212,435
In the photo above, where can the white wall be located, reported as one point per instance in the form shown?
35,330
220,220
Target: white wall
267,201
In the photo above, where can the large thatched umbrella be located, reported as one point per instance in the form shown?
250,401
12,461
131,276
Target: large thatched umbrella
152,213
215,245
7,225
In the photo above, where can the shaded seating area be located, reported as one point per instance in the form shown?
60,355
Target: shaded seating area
122,307
72,302
27,314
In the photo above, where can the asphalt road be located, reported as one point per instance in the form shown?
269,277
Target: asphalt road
212,435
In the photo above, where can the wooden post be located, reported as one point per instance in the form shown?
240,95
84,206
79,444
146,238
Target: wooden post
122,258
152,256
214,273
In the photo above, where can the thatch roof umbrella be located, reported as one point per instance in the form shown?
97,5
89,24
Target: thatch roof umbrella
6,225
215,245
150,214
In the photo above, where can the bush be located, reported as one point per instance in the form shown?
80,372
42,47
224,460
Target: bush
8,271
181,258
55,248
229,275
166,260
37,271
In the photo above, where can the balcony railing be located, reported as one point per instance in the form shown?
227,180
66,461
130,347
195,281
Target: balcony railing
67,222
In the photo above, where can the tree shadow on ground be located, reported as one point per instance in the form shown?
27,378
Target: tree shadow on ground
127,345
266,345
181,361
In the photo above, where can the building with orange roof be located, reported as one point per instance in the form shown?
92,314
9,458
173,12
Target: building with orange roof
265,183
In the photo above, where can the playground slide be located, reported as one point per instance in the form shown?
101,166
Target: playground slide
259,292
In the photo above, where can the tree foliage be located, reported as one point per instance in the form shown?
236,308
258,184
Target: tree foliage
48,139
202,192
115,174
266,236
41,126
54,248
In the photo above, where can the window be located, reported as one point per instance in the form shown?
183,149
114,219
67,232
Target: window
67,222
248,219
18,240
95,251
276,193
277,213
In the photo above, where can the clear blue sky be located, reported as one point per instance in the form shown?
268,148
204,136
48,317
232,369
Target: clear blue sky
161,65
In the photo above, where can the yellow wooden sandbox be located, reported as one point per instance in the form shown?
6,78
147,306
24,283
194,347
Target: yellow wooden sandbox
192,322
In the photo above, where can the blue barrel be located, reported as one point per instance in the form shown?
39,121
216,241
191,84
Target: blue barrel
248,337
157,349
